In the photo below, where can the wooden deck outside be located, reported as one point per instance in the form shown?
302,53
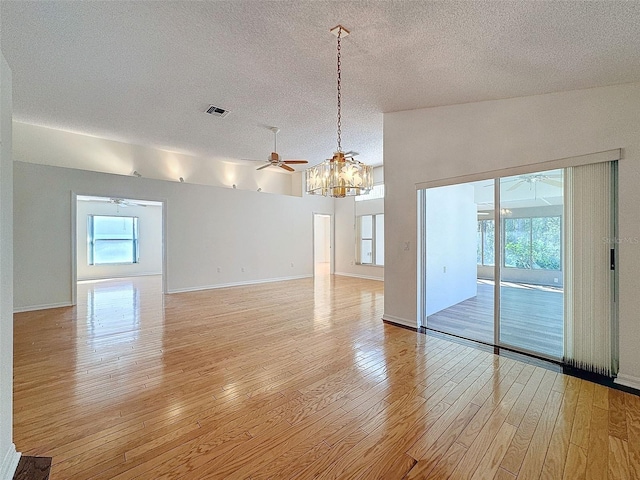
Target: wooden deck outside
298,379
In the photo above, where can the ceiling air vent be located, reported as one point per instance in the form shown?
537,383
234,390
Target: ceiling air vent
217,111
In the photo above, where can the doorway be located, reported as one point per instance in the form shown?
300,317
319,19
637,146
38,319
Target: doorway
508,261
116,237
322,251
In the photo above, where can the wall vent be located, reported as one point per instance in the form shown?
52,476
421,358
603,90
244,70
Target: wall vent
217,111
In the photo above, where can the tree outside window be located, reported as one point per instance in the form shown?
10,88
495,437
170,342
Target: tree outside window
486,242
532,243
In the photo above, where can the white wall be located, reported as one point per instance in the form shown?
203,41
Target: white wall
8,455
451,225
149,244
49,146
345,233
208,228
446,142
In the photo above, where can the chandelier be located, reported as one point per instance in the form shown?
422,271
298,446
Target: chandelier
341,175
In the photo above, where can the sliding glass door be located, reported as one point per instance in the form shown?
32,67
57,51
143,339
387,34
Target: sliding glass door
525,262
460,252
470,244
531,274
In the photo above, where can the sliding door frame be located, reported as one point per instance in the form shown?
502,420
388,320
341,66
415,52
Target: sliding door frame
606,156
497,260
421,241
496,175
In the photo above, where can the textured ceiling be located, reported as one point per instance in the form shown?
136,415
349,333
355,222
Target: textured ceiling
144,72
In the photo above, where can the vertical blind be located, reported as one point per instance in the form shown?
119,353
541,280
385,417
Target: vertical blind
588,312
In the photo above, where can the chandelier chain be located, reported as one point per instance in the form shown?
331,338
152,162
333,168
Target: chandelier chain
341,175
339,96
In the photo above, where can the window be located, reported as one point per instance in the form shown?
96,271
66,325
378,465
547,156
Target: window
371,239
376,192
486,242
532,243
545,243
112,240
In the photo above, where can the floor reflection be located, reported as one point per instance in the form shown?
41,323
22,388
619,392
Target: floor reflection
117,321
112,311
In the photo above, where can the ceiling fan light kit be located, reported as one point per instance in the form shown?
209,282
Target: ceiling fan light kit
341,175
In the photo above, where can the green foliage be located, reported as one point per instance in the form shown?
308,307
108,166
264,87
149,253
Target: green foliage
533,243
517,254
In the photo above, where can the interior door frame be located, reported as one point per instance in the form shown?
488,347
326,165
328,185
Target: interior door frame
331,241
74,241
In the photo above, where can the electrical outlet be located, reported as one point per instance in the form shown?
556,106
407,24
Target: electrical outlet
219,269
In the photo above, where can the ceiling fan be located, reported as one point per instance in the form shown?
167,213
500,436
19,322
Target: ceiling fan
122,202
274,159
535,178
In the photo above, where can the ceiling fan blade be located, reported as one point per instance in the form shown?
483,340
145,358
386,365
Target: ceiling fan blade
295,161
515,185
554,183
286,167
131,203
264,166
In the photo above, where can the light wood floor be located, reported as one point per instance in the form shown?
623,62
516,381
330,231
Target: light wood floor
298,379
531,317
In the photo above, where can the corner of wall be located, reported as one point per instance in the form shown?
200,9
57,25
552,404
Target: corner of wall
8,455
9,463
400,321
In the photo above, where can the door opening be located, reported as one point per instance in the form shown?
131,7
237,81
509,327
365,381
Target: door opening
117,238
322,253
513,262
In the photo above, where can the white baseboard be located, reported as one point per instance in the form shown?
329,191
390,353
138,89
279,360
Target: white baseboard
32,308
355,275
628,381
400,321
102,277
9,463
236,284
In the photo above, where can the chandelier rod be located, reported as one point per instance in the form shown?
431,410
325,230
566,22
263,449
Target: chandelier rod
339,94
